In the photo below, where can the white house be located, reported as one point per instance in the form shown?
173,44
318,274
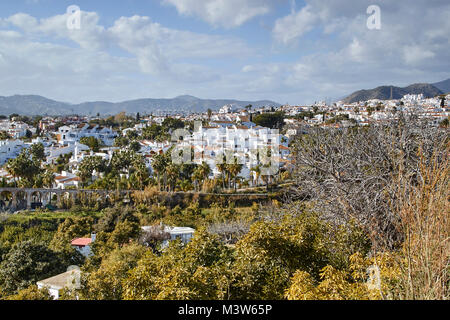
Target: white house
53,152
229,108
244,143
16,129
185,234
73,133
66,180
10,149
83,245
69,279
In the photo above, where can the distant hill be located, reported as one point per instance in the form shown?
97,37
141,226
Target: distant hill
37,105
31,105
444,86
384,92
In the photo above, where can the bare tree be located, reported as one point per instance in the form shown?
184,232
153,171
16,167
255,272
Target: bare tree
231,231
153,236
352,173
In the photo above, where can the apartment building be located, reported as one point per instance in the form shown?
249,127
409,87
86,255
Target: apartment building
248,144
73,133
10,149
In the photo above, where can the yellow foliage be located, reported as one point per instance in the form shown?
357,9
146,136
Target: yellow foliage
353,284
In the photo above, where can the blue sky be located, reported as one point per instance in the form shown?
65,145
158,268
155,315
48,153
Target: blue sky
293,52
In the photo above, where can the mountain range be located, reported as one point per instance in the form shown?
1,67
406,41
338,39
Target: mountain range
38,105
392,92
444,86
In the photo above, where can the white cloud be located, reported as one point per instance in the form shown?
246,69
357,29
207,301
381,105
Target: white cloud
416,54
133,54
225,13
412,45
90,36
294,25
137,57
155,47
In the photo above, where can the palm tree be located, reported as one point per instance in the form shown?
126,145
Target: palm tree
266,177
48,178
159,165
197,177
205,170
222,167
257,171
13,169
234,169
172,172
141,172
209,114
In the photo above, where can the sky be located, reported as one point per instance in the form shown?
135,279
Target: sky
295,52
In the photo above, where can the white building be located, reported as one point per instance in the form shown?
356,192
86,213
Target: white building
69,280
10,149
83,245
244,143
16,129
66,180
229,108
185,234
73,133
53,152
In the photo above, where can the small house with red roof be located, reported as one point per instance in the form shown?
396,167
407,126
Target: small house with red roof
83,245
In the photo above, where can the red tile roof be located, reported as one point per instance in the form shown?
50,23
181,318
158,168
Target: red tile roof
81,242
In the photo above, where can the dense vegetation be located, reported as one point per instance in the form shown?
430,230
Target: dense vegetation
367,218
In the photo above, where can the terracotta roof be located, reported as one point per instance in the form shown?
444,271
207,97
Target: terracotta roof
81,242
73,179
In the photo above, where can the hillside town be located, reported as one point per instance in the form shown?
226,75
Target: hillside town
210,135
134,179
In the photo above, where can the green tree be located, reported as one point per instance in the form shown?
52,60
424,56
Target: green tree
71,228
37,151
124,232
198,271
135,146
88,165
234,170
32,293
48,178
92,142
222,167
26,263
270,120
159,165
26,167
105,282
4,135
121,141
112,216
